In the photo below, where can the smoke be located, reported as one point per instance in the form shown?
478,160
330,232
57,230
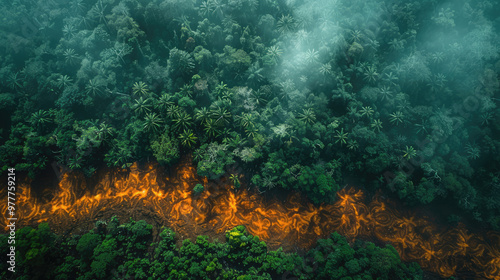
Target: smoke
460,41
314,36
453,39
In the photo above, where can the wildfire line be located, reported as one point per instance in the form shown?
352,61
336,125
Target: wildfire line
218,209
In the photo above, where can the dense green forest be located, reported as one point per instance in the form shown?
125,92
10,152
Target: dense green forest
299,95
127,251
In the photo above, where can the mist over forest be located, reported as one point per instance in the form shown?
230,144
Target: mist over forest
399,98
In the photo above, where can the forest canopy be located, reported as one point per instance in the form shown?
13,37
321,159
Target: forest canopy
300,94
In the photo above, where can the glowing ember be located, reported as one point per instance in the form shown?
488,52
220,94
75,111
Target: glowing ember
218,209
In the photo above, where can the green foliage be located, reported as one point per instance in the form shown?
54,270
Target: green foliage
87,244
198,189
212,159
321,186
125,251
203,57
33,248
152,123
140,89
136,234
104,258
235,235
187,138
334,257
235,60
180,64
278,89
136,269
7,101
235,180
165,149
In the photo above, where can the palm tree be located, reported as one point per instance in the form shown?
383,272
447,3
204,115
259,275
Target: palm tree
78,6
437,57
366,111
217,7
251,131
486,118
373,44
437,82
274,53
211,128
172,110
396,44
180,63
254,74
14,81
75,161
184,22
202,115
188,139
69,30
396,118
390,78
410,152
377,125
236,181
104,131
308,116
70,56
152,122
371,74
39,118
226,132
85,21
352,144
140,88
63,81
221,115
473,151
269,182
343,89
356,36
222,91
141,106
353,112
205,8
402,102
186,90
341,136
234,140
182,120
385,93
286,24
164,101
99,11
259,97
421,128
281,130
311,56
246,119
325,69
122,157
93,88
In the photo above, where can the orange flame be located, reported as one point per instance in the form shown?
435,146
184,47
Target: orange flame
292,223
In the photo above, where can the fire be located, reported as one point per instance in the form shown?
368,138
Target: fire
290,223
